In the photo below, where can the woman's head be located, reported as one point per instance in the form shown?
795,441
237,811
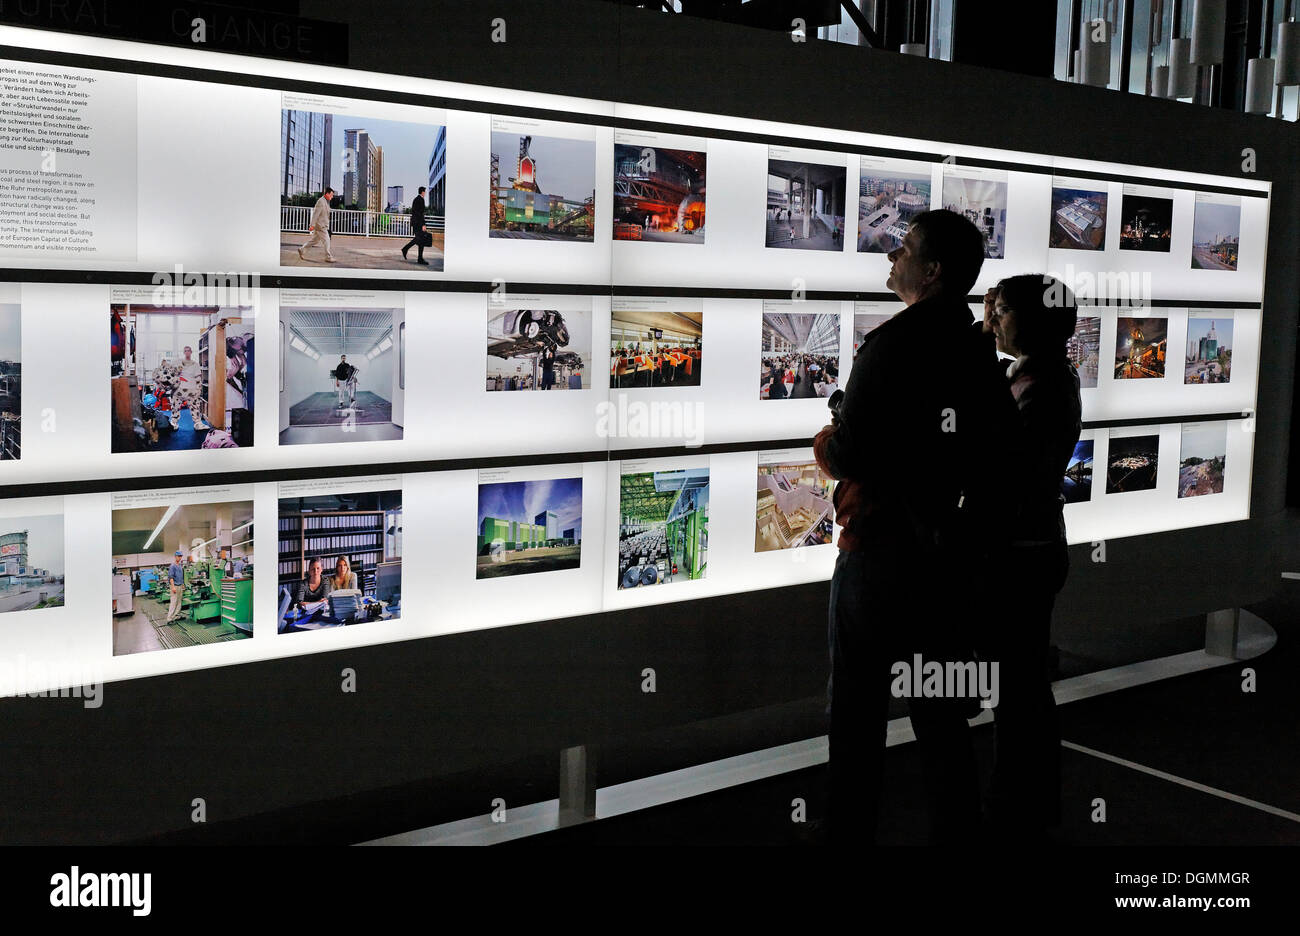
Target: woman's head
342,568
314,567
1034,314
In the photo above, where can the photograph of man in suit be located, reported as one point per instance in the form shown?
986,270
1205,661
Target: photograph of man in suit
417,229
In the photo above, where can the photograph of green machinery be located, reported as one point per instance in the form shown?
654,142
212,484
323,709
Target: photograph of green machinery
182,575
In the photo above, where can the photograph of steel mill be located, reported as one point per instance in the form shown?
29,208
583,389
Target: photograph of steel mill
1131,463
1140,347
794,506
1084,348
663,531
805,205
529,526
1078,219
542,188
658,194
1216,234
1146,221
887,202
800,356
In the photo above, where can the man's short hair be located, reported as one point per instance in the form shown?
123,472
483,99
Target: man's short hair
1045,309
328,191
953,242
422,190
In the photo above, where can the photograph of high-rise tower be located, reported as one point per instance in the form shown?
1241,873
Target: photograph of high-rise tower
658,194
1209,348
387,202
542,187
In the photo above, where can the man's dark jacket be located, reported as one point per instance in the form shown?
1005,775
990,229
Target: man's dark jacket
417,215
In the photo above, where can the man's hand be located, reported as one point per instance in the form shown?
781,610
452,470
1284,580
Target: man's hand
990,301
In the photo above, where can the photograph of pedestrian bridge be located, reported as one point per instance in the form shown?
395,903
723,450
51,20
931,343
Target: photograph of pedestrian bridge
794,506
805,205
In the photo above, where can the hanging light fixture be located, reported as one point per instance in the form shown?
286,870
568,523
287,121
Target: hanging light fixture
1160,81
1288,54
1259,86
912,48
1075,75
1182,73
1209,19
1094,48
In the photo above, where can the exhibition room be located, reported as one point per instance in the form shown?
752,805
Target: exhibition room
958,551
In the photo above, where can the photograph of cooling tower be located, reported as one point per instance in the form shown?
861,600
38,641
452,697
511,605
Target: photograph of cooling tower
1076,486
1140,347
1132,463
794,506
805,205
1209,348
376,168
982,201
656,346
658,194
1084,348
182,575
888,199
342,374
538,348
529,526
1078,219
181,377
1202,459
340,560
663,531
1216,232
11,381
1145,223
800,356
864,323
31,562
542,187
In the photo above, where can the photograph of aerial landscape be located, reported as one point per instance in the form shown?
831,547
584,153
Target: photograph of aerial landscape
1078,219
1131,463
1200,464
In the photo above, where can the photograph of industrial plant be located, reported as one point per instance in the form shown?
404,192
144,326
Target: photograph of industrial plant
1076,486
1216,233
663,530
799,356
1131,463
1145,223
538,348
182,575
1140,347
340,560
11,381
1078,219
376,217
794,506
529,526
656,346
864,323
1201,462
31,562
542,188
343,376
805,205
181,377
1084,348
658,194
1209,348
888,199
983,202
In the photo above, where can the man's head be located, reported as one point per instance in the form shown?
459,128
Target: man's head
343,358
422,189
328,193
187,351
941,254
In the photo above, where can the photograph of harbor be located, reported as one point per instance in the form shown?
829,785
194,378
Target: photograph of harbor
1140,347
1131,463
1078,219
1201,462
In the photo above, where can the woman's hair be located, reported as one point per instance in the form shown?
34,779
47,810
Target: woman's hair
1045,312
347,565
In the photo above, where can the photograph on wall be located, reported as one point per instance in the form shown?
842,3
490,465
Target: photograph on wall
1131,463
340,557
361,192
182,575
181,377
890,194
31,562
805,202
539,343
799,358
1078,217
542,187
794,503
342,374
528,526
864,323
663,530
981,198
1209,347
1084,348
658,192
1216,232
11,373
1201,461
1140,347
656,343
1145,222
1076,486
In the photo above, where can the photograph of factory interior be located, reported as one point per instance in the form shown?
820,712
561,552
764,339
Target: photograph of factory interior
663,533
360,401
207,549
655,348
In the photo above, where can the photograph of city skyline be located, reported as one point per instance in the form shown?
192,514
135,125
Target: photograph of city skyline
1078,219
1216,233
658,194
1145,223
888,199
529,526
1131,463
1209,348
1140,347
984,203
1202,459
542,188
375,168
805,205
